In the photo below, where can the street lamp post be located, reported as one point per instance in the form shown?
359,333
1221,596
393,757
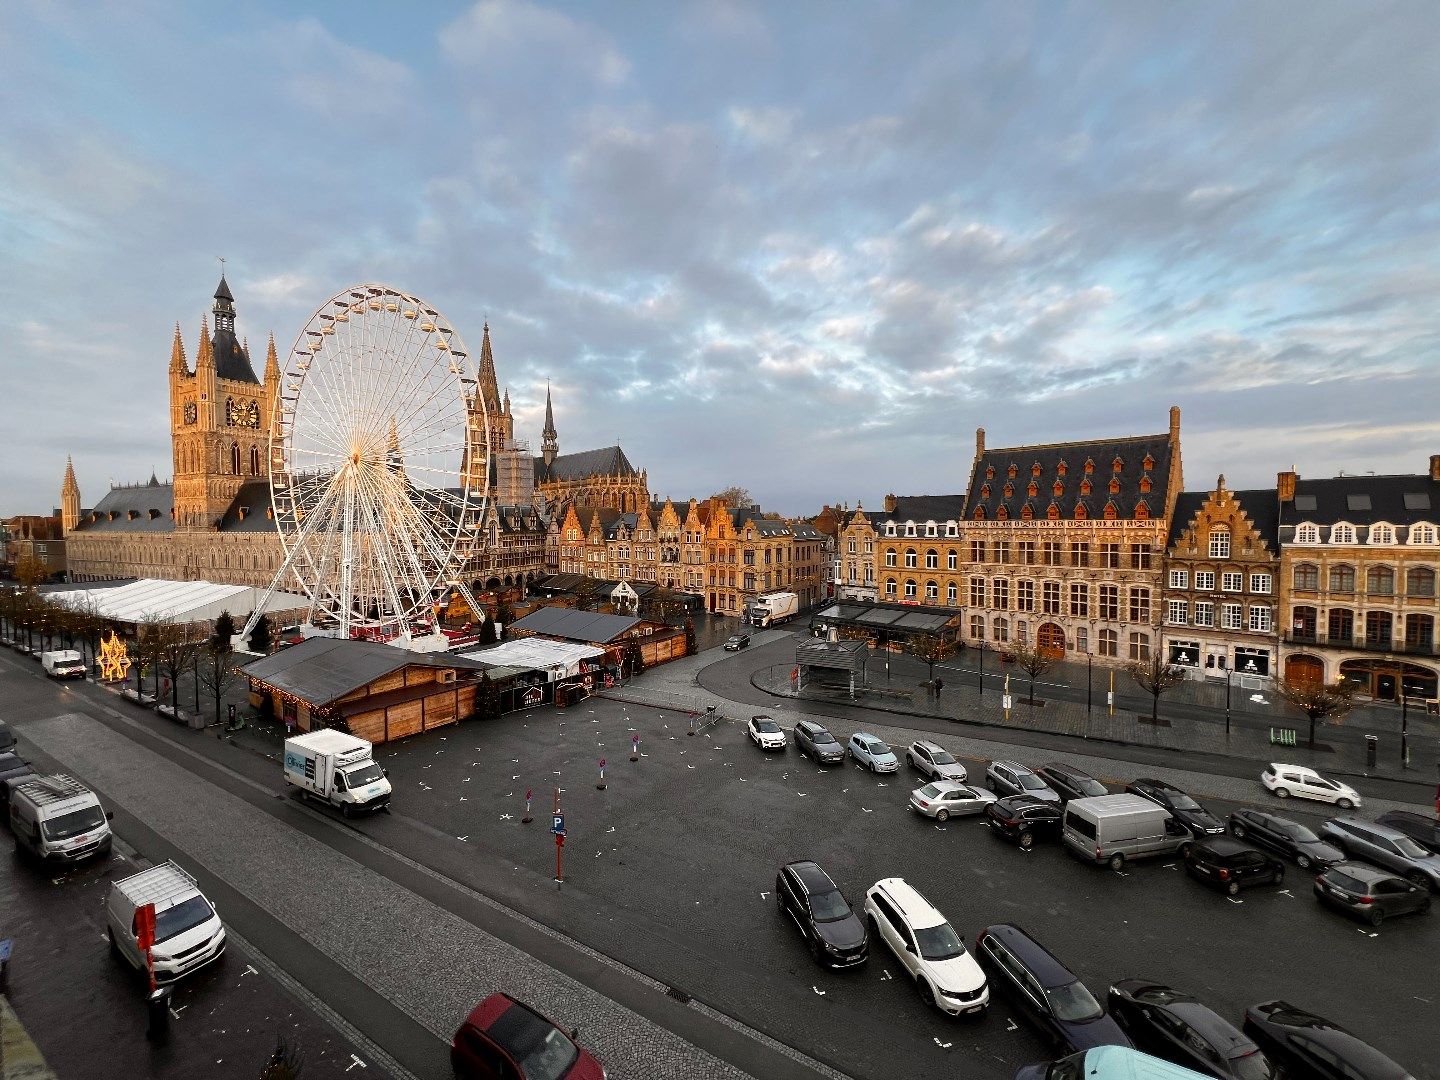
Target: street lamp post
1229,677
980,674
1089,680
1404,725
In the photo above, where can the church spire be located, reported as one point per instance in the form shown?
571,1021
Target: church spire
69,498
205,355
489,387
178,365
272,362
551,445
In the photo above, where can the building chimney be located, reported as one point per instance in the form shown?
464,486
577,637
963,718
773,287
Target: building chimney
979,442
1174,421
890,504
1285,485
1435,467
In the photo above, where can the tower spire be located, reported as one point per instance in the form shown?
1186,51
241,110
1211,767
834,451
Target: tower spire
205,355
551,444
272,362
489,387
69,498
178,365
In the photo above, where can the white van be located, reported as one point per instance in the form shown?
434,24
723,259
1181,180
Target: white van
1114,828
58,819
188,932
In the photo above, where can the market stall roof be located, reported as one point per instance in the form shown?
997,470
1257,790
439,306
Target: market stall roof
847,655
179,601
534,654
904,618
319,669
574,625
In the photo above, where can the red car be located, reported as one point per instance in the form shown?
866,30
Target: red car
505,1039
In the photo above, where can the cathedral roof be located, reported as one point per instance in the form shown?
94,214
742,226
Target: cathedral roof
139,508
607,461
249,511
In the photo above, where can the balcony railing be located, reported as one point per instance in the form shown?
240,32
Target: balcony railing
1325,641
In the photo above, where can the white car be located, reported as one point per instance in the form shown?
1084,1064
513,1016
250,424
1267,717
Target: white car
1305,783
927,946
944,799
766,733
871,751
932,760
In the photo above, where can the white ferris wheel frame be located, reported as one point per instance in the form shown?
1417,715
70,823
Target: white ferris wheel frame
379,411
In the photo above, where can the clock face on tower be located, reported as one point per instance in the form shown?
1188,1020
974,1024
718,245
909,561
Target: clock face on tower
191,413
242,414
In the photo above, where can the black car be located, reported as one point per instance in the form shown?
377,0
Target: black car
1069,782
7,738
1284,837
1305,1045
1370,893
814,741
736,642
1022,819
1230,865
1421,828
1048,993
834,932
11,765
1172,1025
1182,807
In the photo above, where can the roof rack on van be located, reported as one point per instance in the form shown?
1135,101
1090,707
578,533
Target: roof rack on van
44,790
157,884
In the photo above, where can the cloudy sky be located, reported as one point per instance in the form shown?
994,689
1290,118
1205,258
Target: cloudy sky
806,248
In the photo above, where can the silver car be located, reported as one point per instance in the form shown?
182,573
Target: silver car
930,759
944,799
871,751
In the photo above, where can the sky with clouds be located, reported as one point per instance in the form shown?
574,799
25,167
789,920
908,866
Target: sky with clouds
804,247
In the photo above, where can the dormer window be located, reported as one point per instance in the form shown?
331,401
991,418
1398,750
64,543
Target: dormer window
990,472
1002,514
1026,513
1114,486
1307,534
1057,489
984,491
1144,485
1142,511
1148,463
1081,514
1033,489
930,529
1013,471
979,513
1117,465
1035,469
1009,490
1111,510
1424,533
1089,466
1382,533
1052,512
889,528
1062,468
1344,533
909,528
1085,487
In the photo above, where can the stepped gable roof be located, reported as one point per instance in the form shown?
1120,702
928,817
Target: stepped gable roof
986,499
519,519
250,510
139,508
1401,500
606,461
935,508
1259,504
621,521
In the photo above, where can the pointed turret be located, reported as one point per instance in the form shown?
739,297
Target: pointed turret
550,446
489,387
178,364
505,405
205,355
69,498
272,362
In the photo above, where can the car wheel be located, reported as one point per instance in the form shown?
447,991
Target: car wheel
1282,793
1302,861
1117,862
1344,804
1237,831
1377,917
1278,877
1417,877
942,814
816,953
1185,849
1027,840
927,994
910,760
1233,888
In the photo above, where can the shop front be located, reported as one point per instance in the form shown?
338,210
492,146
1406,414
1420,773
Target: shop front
1384,678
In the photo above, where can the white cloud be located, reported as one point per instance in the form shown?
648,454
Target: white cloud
514,32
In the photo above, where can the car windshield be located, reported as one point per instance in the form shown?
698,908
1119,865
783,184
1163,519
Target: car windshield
1410,848
828,906
1031,782
358,778
74,823
940,757
734,640
769,727
1091,787
939,942
877,747
1180,801
1251,1065
540,1049
822,736
1300,834
1073,1002
183,916
1070,1068
930,791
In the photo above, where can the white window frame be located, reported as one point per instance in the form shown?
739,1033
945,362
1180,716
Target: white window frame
1179,579
1219,542
1307,533
1422,533
1382,533
1261,584
1204,613
1205,580
1262,618
1232,617
952,560
1232,581
1342,533
1177,612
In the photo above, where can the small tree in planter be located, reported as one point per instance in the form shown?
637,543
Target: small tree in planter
1033,661
487,632
216,675
1156,677
1318,700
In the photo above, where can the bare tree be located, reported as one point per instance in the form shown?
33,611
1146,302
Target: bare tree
182,645
217,675
1032,660
931,648
585,593
152,639
735,496
1318,700
1155,677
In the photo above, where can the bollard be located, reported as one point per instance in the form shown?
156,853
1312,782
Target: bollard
692,723
157,1007
601,785
634,747
1372,751
527,818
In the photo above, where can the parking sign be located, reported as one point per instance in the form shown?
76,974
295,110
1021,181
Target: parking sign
557,825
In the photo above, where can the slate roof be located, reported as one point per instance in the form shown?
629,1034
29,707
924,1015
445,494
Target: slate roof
922,508
988,492
590,627
254,499
143,508
1362,501
320,670
606,461
231,360
1261,506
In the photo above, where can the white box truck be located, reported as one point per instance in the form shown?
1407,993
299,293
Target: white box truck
57,819
188,930
769,609
338,768
63,664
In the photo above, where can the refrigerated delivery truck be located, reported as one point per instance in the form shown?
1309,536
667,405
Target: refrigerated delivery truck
337,768
769,609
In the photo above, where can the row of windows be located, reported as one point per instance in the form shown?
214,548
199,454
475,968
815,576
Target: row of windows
1031,553
1230,581
1381,533
1379,626
1107,641
1379,580
930,528
1260,620
1052,597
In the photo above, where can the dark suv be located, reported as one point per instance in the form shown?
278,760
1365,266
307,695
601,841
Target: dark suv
833,931
1173,1025
1049,994
814,741
1230,865
1199,821
1022,819
1370,894
1069,782
1284,837
1304,1044
1012,778
1421,828
1384,846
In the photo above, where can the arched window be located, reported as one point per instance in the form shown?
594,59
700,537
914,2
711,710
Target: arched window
1420,581
910,557
932,591
910,589
1380,581
890,587
1342,579
1342,534
1382,534
1307,534
1220,542
1307,577
234,459
952,594
1424,533
932,560
254,461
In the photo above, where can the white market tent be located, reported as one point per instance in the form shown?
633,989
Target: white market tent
560,658
180,601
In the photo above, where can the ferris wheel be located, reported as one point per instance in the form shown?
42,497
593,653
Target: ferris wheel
379,463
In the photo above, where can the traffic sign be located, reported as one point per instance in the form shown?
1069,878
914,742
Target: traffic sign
557,825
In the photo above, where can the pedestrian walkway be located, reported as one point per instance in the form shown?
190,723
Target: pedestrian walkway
20,1058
